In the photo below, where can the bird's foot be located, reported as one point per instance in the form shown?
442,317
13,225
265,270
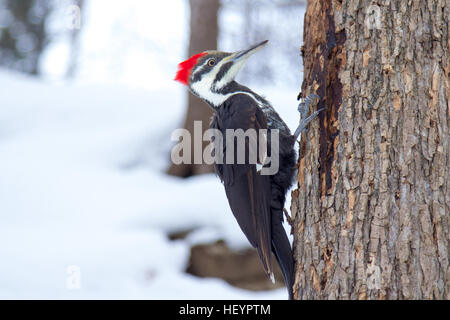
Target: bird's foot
289,219
303,108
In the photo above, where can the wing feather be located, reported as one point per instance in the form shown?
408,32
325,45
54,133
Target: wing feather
248,192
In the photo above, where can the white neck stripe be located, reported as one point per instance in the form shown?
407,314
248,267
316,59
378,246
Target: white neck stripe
216,99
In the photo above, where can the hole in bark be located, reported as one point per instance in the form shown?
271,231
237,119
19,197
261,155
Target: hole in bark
323,283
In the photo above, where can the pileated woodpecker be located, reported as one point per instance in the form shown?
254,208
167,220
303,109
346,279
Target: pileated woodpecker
256,200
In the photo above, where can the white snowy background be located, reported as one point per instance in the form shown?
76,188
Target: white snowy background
82,181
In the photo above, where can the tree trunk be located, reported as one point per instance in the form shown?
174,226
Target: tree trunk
203,36
372,205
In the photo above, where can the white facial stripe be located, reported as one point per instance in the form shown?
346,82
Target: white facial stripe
230,75
203,87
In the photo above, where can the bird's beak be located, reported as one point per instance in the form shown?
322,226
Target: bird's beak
237,60
244,54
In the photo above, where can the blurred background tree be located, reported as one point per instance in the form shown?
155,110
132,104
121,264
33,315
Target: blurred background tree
204,31
26,32
23,36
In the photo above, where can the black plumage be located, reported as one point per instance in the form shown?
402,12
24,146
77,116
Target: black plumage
256,200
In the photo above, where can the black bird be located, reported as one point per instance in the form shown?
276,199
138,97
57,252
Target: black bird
256,200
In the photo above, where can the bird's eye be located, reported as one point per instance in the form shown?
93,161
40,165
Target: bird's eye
211,62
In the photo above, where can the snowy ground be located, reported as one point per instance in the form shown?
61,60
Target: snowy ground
81,184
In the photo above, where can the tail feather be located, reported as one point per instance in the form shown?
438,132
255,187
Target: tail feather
283,253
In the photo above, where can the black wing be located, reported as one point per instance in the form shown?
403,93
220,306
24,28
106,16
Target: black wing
248,192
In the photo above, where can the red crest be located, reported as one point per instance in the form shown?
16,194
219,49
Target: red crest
185,68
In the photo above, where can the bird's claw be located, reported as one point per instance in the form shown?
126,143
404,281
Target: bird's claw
303,108
304,105
288,217
304,123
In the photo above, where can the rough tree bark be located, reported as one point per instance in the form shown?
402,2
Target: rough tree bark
203,36
372,204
